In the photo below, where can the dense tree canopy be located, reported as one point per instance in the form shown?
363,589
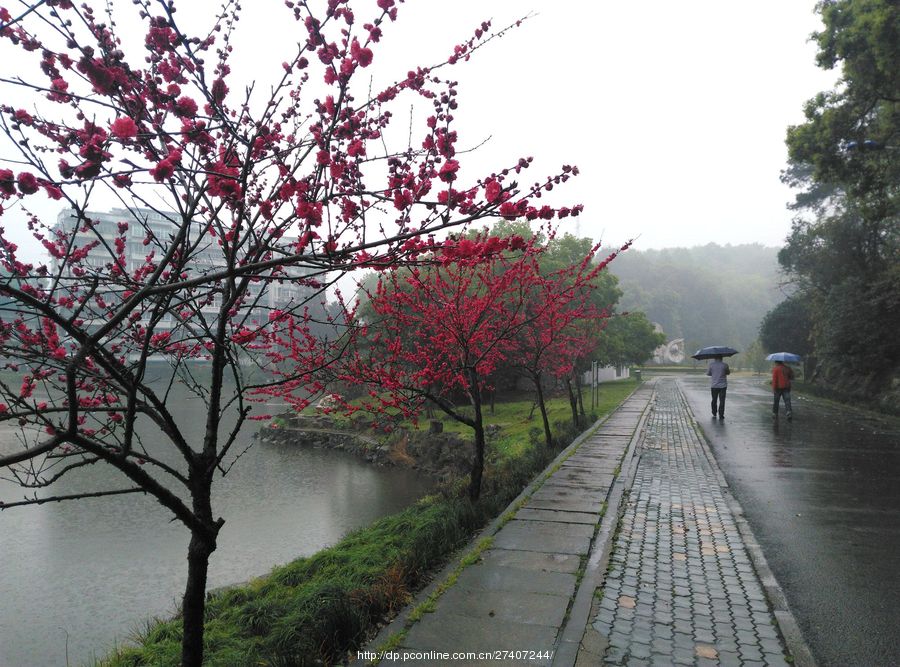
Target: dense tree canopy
844,246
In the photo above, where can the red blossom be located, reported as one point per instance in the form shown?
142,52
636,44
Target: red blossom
361,54
219,91
123,128
7,182
448,171
27,182
185,107
52,190
492,191
165,168
356,148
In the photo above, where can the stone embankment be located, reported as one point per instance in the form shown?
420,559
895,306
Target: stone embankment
443,455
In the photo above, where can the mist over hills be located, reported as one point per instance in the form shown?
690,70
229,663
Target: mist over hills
708,295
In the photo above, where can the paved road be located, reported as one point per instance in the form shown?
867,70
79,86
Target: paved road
822,495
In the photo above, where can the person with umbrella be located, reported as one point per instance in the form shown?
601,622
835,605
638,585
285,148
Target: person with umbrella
718,372
781,381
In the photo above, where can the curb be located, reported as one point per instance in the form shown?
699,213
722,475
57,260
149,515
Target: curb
572,633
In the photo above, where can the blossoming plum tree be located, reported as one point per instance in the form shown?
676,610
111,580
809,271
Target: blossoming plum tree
223,195
564,314
438,331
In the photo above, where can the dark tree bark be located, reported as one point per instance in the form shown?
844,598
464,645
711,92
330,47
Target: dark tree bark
573,402
538,386
478,427
194,601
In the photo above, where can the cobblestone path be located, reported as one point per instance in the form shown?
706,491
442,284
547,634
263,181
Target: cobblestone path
681,588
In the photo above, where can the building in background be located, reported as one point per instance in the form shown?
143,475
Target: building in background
133,227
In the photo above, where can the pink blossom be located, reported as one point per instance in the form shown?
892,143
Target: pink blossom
124,128
185,107
28,184
7,182
448,171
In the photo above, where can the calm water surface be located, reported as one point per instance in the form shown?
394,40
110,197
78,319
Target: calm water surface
77,577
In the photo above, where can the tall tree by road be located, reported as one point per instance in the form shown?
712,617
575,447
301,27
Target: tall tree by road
844,246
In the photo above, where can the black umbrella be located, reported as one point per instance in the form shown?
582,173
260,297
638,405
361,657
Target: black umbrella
714,351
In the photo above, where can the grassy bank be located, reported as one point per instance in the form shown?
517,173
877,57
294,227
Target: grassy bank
316,609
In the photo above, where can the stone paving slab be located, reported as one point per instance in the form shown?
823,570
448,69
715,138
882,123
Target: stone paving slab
574,505
567,494
488,576
531,560
533,514
581,476
545,536
597,485
513,606
462,633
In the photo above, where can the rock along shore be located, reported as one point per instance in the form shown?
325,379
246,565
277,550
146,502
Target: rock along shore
445,456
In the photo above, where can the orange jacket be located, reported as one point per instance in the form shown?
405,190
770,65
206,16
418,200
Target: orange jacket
781,377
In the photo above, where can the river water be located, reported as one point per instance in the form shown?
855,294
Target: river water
78,577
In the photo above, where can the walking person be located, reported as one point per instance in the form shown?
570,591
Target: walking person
781,388
718,372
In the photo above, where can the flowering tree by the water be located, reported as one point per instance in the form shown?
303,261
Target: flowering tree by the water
565,314
438,331
235,205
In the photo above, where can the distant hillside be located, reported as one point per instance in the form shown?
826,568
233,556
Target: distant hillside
708,295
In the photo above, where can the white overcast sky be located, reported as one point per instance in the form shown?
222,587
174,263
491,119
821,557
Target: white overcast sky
675,112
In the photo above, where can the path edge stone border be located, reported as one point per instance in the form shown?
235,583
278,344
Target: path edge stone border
784,617
572,633
398,624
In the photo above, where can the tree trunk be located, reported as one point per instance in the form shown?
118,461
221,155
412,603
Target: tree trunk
581,412
573,402
548,436
478,461
193,605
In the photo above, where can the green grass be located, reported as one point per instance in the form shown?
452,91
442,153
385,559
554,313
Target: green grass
315,609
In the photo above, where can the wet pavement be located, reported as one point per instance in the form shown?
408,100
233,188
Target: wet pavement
822,495
681,588
512,606
680,582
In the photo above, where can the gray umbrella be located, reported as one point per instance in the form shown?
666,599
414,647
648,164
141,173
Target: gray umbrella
788,357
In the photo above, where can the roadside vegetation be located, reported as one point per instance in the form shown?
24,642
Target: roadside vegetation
315,610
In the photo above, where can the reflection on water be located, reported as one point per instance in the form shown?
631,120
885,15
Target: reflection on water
90,571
